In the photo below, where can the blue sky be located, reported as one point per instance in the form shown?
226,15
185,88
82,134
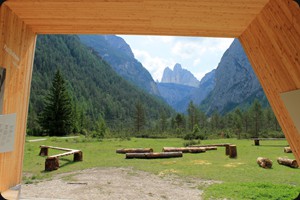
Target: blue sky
197,54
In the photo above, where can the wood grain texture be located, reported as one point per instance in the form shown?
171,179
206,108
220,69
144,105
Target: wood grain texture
155,17
17,44
272,45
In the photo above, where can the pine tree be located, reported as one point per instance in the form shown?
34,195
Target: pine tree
56,118
139,117
193,115
257,117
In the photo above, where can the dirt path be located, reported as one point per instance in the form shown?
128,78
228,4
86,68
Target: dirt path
114,184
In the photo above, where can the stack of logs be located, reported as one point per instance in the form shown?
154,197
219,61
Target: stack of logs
147,153
171,152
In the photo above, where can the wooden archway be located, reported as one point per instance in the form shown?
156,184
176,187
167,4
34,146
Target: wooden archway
268,29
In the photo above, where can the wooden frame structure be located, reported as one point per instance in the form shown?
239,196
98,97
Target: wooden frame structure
269,30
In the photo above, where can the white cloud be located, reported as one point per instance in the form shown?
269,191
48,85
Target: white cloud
196,54
154,64
187,50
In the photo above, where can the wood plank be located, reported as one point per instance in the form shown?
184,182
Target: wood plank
58,148
195,18
272,45
17,46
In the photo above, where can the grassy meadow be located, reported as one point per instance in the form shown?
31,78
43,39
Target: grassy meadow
241,178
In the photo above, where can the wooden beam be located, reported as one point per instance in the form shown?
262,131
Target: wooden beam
272,45
17,44
217,18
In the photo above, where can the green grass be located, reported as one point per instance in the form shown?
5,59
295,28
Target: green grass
247,191
237,173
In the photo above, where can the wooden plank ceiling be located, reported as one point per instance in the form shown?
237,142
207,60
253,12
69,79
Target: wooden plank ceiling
215,18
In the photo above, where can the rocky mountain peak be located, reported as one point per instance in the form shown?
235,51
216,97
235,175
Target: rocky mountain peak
179,76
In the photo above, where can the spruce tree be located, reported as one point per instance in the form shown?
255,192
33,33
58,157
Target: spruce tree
139,117
56,118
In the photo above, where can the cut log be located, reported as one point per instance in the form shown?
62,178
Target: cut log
134,150
232,151
288,162
51,164
227,150
264,162
211,148
287,150
212,145
185,149
77,156
153,155
43,151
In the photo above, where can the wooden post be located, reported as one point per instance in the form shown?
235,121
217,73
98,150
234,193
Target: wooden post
77,156
256,142
51,164
232,151
17,44
43,151
227,149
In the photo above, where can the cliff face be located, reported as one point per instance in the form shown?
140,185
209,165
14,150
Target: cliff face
179,95
179,76
235,82
118,54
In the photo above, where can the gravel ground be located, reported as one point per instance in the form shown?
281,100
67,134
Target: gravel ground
115,184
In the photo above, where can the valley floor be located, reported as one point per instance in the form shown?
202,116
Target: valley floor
114,184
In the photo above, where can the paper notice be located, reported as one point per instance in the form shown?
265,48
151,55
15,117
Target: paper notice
7,132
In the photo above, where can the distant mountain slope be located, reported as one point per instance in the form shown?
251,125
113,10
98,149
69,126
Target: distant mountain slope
179,96
176,95
236,84
179,76
94,85
118,54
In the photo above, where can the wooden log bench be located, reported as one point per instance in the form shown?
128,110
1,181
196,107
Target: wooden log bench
256,140
212,145
134,150
185,149
153,155
52,162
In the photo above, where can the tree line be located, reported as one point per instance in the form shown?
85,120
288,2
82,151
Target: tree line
61,116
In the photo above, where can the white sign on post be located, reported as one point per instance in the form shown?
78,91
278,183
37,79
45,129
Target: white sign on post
7,132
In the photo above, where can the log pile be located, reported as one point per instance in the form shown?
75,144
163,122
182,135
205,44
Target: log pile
264,162
134,150
153,155
185,149
288,162
287,150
